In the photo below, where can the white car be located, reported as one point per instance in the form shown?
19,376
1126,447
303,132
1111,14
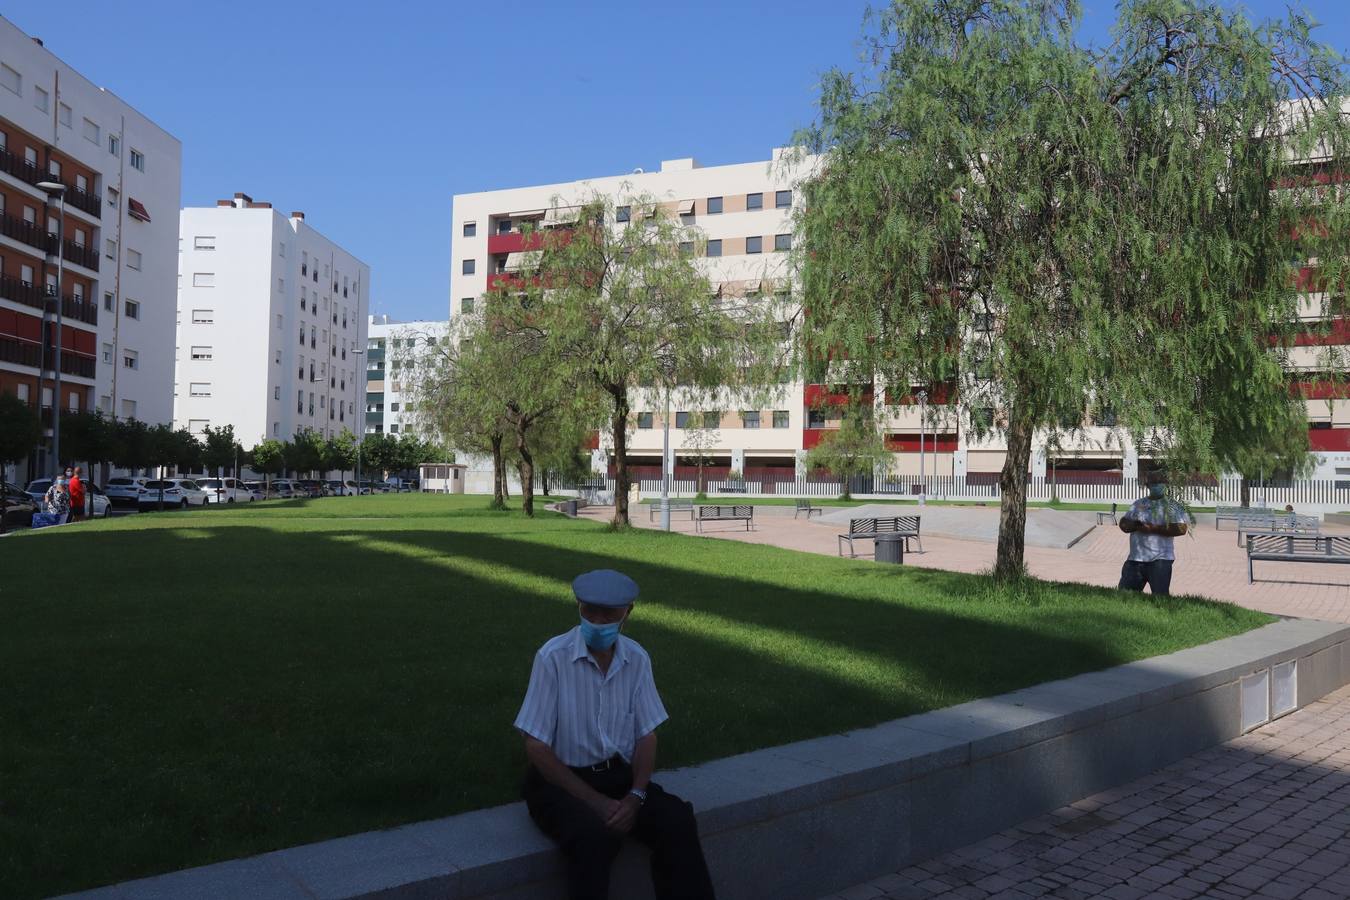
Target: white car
285,488
178,493
225,490
125,491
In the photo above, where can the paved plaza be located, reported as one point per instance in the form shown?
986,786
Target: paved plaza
1209,563
1264,815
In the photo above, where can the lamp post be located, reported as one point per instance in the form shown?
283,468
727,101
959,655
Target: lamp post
923,439
58,190
360,432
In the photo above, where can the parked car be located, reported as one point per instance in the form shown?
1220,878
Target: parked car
342,488
177,493
19,507
313,487
125,491
257,488
96,504
285,489
225,490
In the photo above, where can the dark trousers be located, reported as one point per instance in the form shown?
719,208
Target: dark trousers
665,823
1156,574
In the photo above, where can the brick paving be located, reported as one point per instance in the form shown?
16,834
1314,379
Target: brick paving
1264,815
1209,562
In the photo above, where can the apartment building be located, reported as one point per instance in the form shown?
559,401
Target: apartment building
390,345
743,213
117,248
272,319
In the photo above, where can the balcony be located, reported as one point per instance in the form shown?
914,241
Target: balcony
514,242
818,395
20,168
80,255
27,233
82,310
77,364
85,201
17,291
20,352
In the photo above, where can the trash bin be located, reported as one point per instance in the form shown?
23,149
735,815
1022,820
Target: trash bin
890,548
569,508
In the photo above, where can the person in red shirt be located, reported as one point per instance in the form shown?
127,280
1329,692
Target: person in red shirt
76,488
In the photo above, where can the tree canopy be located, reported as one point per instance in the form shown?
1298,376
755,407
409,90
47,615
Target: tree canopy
1054,228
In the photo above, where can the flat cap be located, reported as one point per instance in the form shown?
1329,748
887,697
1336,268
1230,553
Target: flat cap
605,587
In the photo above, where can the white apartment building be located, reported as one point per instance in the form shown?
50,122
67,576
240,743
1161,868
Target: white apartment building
272,325
122,174
390,343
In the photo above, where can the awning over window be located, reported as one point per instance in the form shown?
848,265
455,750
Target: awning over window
686,207
525,214
561,215
514,262
137,210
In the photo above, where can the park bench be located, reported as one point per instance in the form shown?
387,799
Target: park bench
804,506
1108,516
1278,524
744,514
1231,514
675,506
1311,548
867,530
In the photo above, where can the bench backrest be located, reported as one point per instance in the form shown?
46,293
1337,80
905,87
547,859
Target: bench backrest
884,525
719,512
803,503
1300,545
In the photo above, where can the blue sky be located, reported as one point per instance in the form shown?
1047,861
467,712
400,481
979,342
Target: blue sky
369,117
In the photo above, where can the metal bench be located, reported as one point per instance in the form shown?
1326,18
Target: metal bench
867,529
1108,516
1278,524
1312,548
675,506
804,506
744,514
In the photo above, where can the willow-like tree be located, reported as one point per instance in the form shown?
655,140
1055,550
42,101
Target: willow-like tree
622,307
1108,215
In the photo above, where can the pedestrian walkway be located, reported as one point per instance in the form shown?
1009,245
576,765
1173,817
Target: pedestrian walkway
1265,815
1209,562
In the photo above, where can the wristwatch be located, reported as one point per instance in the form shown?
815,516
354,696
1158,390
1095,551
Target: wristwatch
640,794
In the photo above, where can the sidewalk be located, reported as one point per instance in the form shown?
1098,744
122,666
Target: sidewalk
1209,563
1265,815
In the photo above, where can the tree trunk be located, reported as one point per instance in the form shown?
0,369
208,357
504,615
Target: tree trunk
1012,482
498,473
543,475
619,424
1246,492
526,469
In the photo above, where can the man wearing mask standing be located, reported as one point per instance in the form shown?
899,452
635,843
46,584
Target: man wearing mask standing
589,720
1153,522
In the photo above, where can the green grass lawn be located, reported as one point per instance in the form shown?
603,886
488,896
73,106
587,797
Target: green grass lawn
180,688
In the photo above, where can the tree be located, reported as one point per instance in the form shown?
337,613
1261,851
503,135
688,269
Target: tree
622,307
269,458
699,442
131,444
161,448
339,452
20,432
854,448
1108,216
87,437
221,449
305,453
187,451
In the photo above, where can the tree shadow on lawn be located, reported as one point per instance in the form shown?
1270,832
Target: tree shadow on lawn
267,688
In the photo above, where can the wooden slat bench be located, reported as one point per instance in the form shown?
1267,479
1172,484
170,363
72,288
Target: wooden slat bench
804,506
867,529
1310,548
1278,524
1232,514
744,514
675,506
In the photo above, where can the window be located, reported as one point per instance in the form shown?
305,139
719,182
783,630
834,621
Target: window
278,359
11,79
281,285
109,301
131,359
114,145
780,418
687,248
204,242
681,420
623,213
712,420
782,242
750,418
644,420
64,115
200,352
754,201
40,99
468,267
112,198
204,279
199,426
134,259
107,354
466,306
393,429
132,309
393,407
815,419
982,418
754,244
470,229
281,249
715,247
782,199
110,248
203,316
105,404
138,160
276,392
714,205
91,131
199,389
128,409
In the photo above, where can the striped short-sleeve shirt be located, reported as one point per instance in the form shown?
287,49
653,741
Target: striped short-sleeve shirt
585,715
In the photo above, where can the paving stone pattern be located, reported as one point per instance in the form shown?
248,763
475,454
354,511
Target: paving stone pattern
1265,815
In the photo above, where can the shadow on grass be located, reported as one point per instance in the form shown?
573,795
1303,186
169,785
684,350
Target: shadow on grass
256,687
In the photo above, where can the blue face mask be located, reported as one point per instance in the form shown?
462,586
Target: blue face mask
599,637
1157,491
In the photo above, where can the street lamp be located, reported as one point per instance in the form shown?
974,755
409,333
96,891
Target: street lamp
923,439
360,433
58,190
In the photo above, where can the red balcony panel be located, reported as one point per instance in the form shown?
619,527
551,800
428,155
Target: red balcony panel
79,340
938,395
28,327
1338,333
1322,390
932,443
515,242
811,437
1329,439
592,441
817,395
